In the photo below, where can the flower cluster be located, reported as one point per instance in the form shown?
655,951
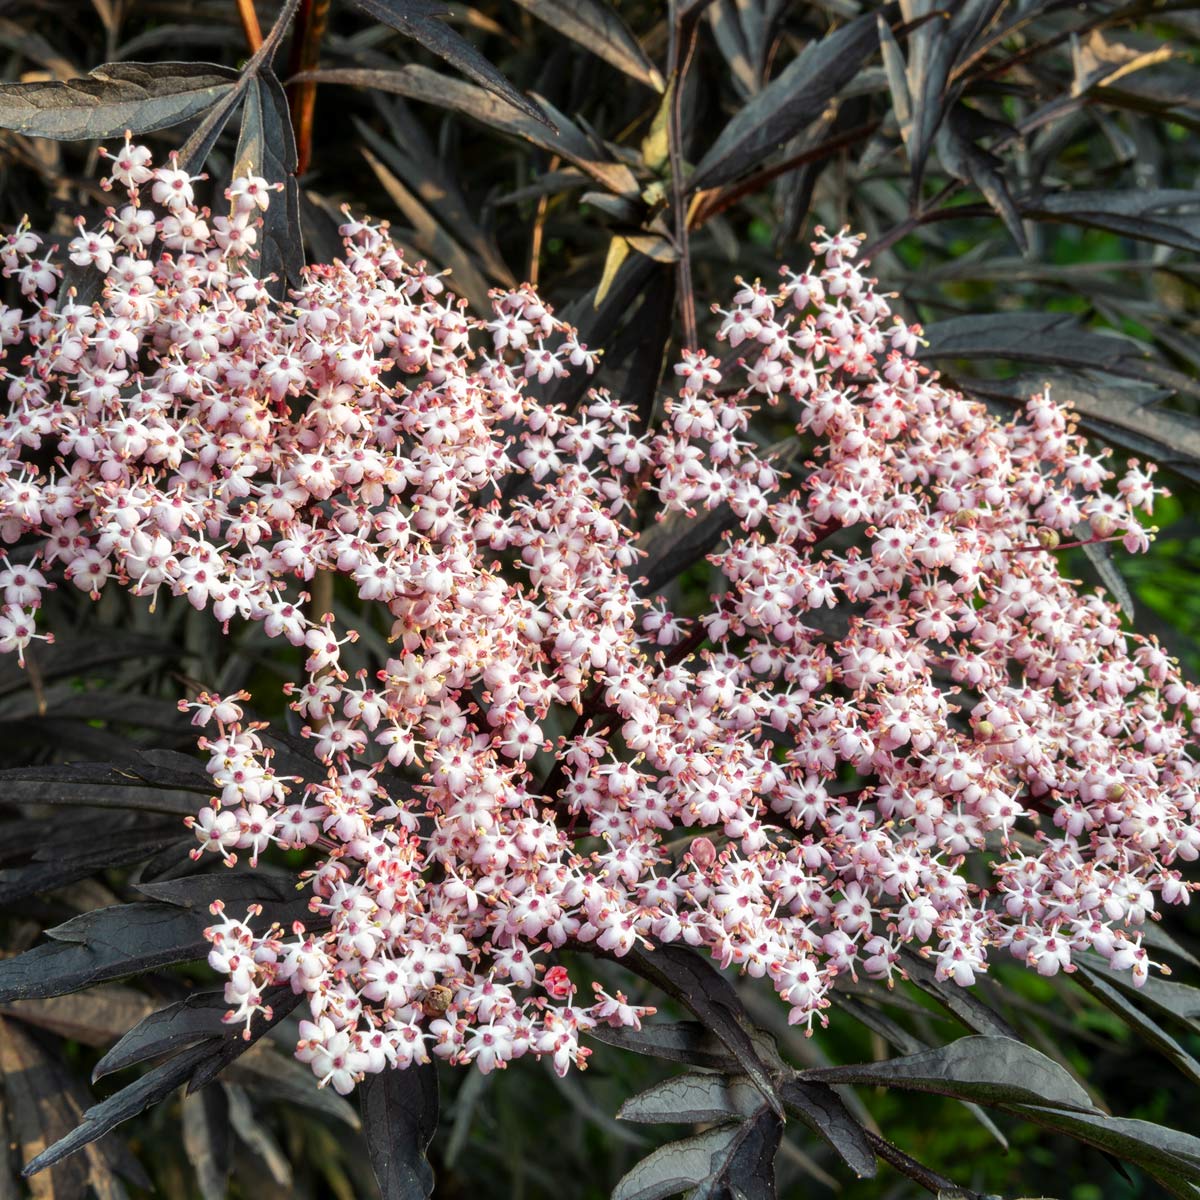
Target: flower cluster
897,728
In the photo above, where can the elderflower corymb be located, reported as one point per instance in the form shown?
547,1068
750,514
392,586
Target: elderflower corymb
896,726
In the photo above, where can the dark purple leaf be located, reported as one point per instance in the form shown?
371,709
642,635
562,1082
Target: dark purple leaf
267,147
399,1116
140,97
693,1098
418,19
1169,1155
934,49
42,1102
675,544
594,25
152,1087
183,1023
732,1159
678,1041
788,103
206,1140
280,1001
417,82
970,163
712,999
1168,216
1147,1029
1054,338
822,1110
56,864
106,944
989,1070
962,1002
195,151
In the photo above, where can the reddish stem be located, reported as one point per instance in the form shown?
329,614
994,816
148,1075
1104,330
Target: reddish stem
250,26
305,55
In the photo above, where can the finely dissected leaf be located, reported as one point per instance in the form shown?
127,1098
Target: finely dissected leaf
206,1140
194,152
1167,1154
701,988
1149,1030
416,161
267,147
71,658
1179,1001
272,1075
693,1098
739,29
96,795
181,1024
678,1041
418,19
140,97
152,1087
748,1172
1168,216
1117,413
416,82
674,544
43,1102
962,1002
962,158
788,103
235,888
430,237
987,1069
650,332
677,1166
735,1159
57,864
124,939
255,1135
597,320
822,1110
280,1002
935,49
400,1115
896,1035
894,68
1054,338
594,24
151,768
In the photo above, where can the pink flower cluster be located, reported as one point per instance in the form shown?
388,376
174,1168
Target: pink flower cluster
897,724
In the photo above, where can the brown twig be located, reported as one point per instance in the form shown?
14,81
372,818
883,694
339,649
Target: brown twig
250,26
539,227
305,55
931,1181
709,204
679,57
320,596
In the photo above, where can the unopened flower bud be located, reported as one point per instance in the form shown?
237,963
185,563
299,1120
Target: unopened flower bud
703,852
1048,539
